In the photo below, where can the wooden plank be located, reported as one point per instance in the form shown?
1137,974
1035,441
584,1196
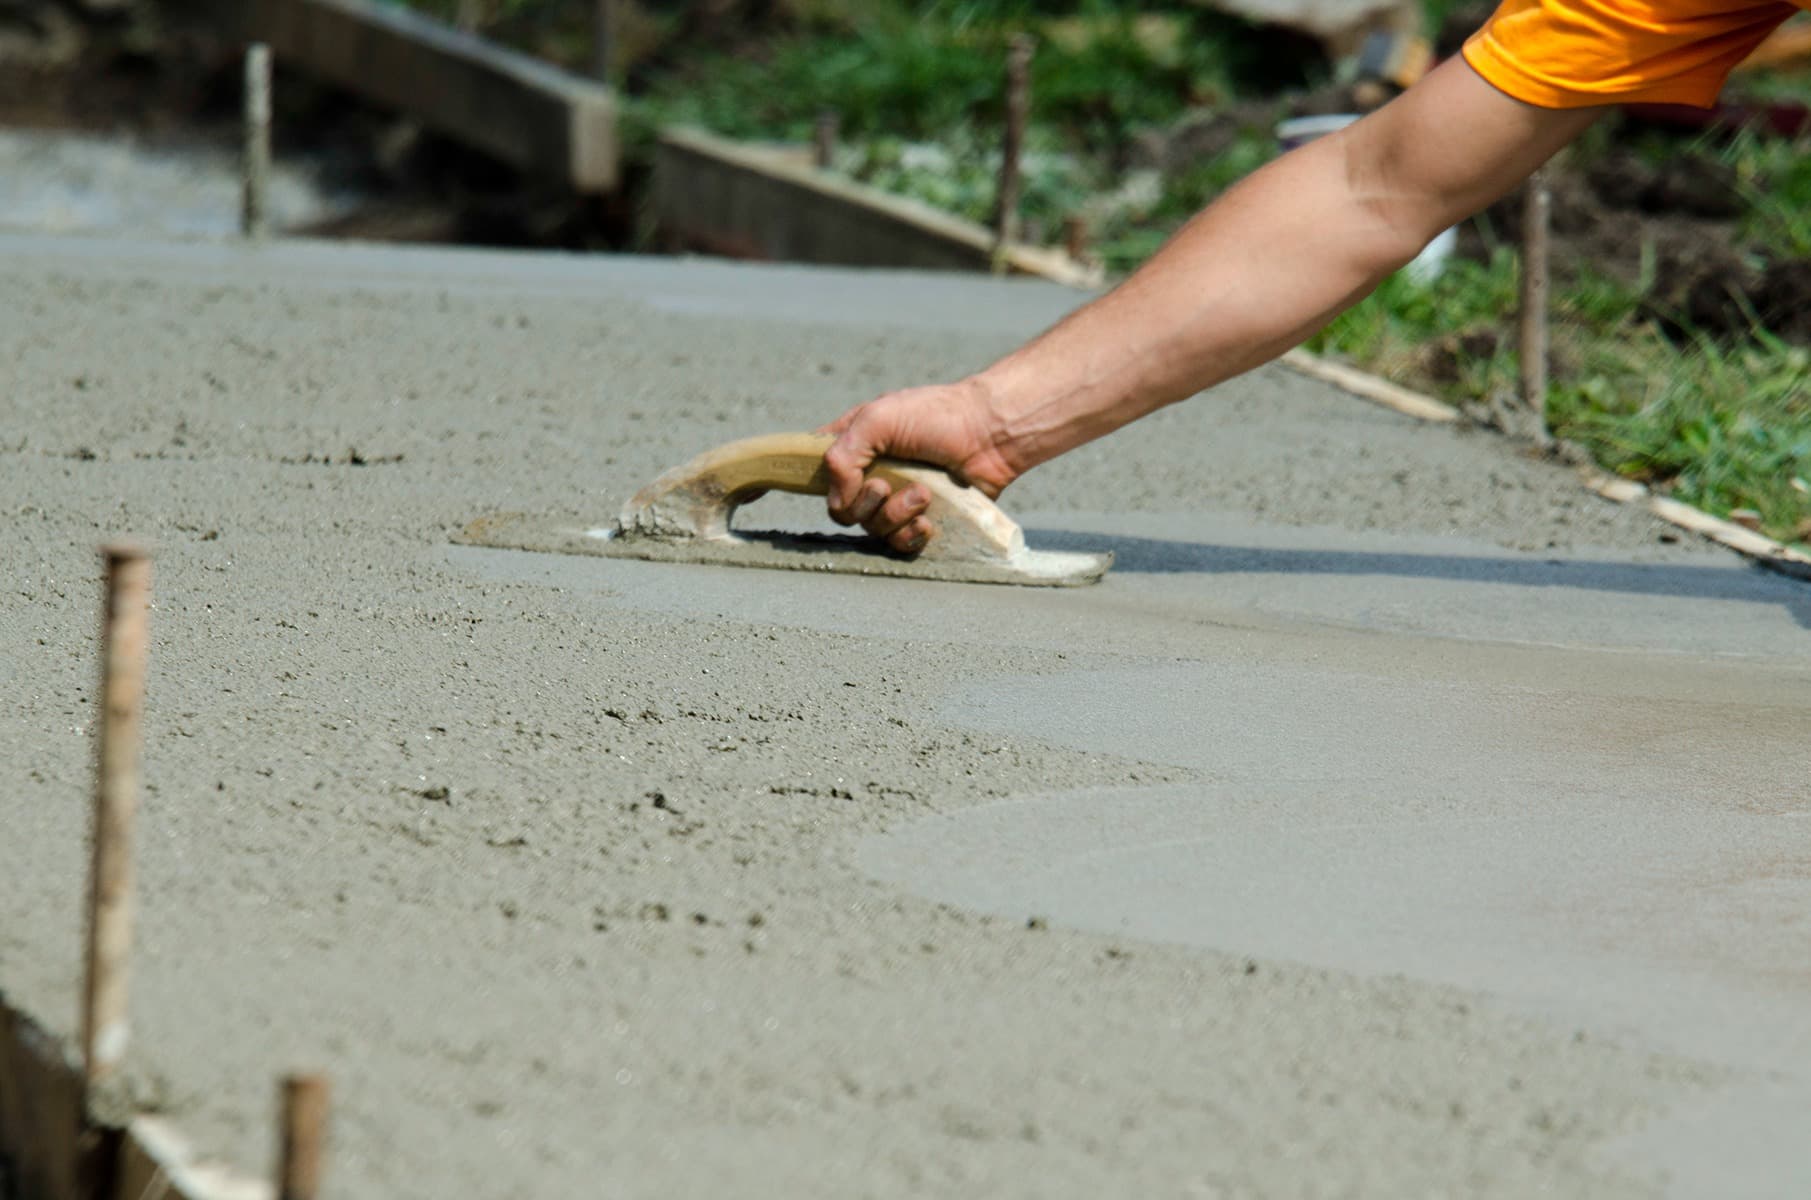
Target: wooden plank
1370,387
754,202
40,1112
1762,549
520,110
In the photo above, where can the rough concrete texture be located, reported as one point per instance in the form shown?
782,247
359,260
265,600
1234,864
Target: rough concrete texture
1396,818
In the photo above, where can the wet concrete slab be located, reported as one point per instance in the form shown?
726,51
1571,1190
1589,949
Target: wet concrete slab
1395,818
1575,784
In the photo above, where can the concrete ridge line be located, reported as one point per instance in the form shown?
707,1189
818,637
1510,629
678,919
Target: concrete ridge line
1744,541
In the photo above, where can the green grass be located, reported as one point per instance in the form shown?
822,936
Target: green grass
897,74
1720,427
914,72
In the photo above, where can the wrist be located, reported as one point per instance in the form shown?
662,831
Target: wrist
998,457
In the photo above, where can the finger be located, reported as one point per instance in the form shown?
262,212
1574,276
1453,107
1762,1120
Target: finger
868,501
846,460
914,537
841,423
898,512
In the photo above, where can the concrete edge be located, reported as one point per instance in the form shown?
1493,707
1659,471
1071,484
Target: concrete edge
1744,541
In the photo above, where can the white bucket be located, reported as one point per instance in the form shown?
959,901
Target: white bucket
1424,267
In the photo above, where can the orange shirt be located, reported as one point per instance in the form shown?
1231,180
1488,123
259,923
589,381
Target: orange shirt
1574,53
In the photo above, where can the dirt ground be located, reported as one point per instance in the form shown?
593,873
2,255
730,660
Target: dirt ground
565,870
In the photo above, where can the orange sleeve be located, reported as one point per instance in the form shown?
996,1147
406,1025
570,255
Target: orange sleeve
1576,53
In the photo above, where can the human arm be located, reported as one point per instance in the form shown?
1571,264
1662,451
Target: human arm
1255,273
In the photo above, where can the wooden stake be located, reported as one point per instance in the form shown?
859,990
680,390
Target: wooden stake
1537,206
254,217
1075,237
603,40
124,634
823,141
1018,111
304,1101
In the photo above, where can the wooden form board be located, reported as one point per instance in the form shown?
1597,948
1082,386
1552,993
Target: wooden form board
1744,541
40,1111
757,202
518,109
48,1155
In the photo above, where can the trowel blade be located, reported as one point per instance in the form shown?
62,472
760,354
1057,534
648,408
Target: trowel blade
845,554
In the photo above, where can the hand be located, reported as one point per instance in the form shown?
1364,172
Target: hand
952,427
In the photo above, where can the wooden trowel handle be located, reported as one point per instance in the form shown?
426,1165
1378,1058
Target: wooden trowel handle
695,500
780,462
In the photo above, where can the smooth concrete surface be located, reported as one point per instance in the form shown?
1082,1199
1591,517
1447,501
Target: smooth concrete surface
1396,818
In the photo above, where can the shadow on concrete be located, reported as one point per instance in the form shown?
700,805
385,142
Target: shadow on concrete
1752,584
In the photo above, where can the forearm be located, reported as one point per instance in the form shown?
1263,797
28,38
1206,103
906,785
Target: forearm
1247,279
1270,263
